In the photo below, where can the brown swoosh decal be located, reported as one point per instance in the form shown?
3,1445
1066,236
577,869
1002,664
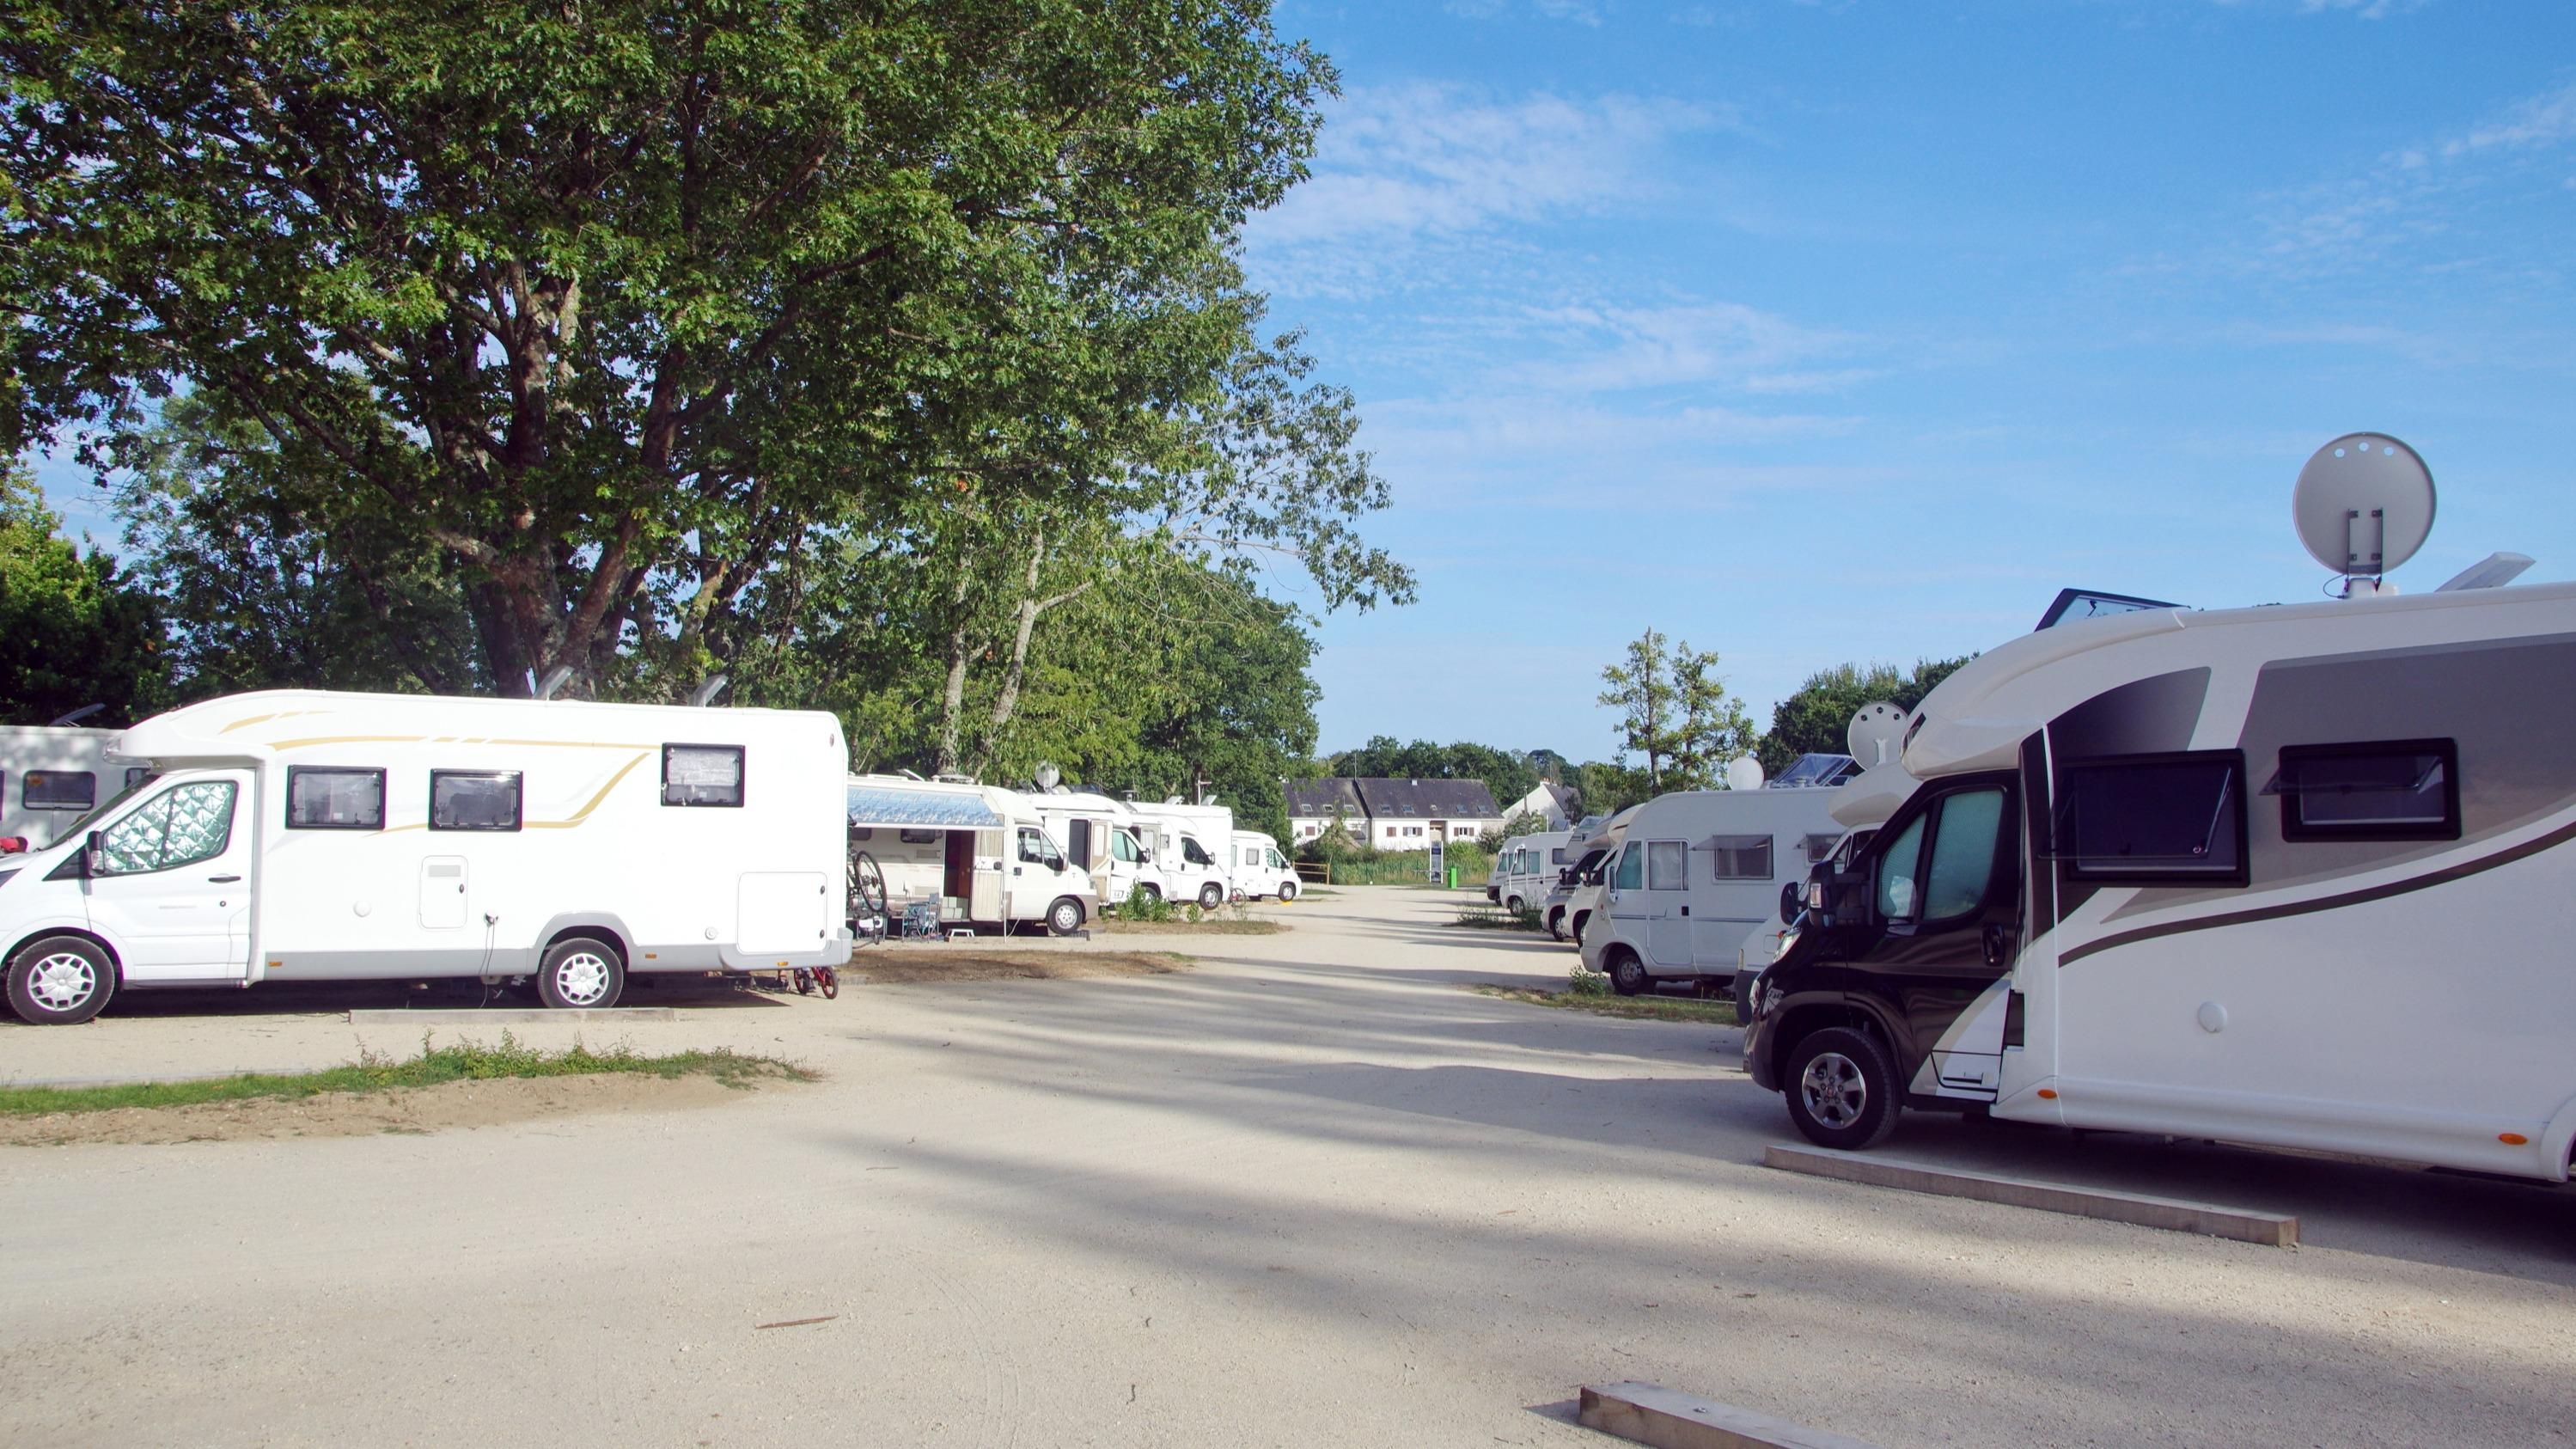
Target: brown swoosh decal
2447,874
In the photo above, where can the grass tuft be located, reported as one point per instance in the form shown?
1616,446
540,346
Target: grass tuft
1637,1008
1498,918
435,1066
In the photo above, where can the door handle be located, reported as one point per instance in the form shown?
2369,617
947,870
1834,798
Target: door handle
223,879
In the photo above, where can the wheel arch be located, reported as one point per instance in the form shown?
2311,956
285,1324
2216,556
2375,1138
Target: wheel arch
115,961
600,925
1801,1017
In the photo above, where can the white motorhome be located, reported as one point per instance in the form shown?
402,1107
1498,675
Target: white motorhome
1500,867
2295,875
1583,894
1187,847
1529,867
1698,872
1260,870
51,776
984,855
1101,835
302,835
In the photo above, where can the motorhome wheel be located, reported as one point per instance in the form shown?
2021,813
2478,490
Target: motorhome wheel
1842,1089
581,974
1581,920
1287,890
1065,916
1628,974
1556,925
1512,904
1211,896
60,981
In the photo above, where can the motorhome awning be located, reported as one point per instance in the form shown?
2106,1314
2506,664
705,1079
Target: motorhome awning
938,809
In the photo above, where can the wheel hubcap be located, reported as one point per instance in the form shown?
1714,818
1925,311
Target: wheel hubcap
1834,1090
581,979
61,982
1066,918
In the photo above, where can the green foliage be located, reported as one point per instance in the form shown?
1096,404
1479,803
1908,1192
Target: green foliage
1608,789
74,631
1411,867
1584,981
1144,905
1506,773
606,318
1528,822
1817,718
1675,713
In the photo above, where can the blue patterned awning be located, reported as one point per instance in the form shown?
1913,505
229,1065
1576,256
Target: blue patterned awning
938,809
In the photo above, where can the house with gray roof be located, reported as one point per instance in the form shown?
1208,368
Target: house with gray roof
1392,814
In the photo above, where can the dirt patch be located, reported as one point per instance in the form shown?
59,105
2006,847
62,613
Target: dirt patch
1635,1008
929,965
446,1107
1213,927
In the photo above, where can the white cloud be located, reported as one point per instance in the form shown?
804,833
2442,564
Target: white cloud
1580,12
2543,120
1601,348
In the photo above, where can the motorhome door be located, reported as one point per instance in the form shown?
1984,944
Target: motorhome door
172,884
1947,894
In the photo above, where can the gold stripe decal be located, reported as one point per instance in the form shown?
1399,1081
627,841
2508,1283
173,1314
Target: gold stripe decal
583,813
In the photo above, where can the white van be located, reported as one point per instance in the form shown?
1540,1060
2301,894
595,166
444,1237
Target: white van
1260,870
1101,835
301,835
1698,872
983,854
1500,867
2295,875
51,776
1186,847
1583,894
1529,868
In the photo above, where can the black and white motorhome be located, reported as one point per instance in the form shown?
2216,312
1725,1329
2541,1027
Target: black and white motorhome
2292,875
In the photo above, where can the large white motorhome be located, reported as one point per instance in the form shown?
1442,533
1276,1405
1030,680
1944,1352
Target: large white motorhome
1187,847
1260,870
51,776
1530,865
1102,836
985,855
2295,875
1698,872
301,835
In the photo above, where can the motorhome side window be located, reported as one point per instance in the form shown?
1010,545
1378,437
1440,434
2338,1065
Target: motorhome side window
1741,857
1667,865
473,800
180,826
702,775
319,798
58,789
2154,819
1032,846
918,837
1195,853
2387,790
1630,874
1898,873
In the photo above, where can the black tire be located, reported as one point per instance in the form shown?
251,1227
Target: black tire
60,981
1151,890
581,973
1512,904
1842,1089
1576,930
1556,925
1064,917
1287,890
1628,974
1211,896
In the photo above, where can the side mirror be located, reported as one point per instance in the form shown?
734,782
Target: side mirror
94,854
1791,901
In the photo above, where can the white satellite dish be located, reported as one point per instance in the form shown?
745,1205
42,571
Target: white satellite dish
1047,775
2364,504
1874,732
1744,773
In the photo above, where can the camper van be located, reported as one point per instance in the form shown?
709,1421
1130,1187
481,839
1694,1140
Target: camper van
1530,865
301,835
51,776
1582,896
2294,875
1500,867
1582,850
1186,849
1100,835
1698,872
983,857
1260,870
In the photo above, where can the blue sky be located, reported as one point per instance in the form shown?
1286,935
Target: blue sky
1814,332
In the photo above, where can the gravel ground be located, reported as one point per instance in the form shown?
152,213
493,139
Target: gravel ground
1308,1192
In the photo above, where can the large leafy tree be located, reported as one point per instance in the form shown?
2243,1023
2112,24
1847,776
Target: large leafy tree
1506,773
1817,718
73,630
602,309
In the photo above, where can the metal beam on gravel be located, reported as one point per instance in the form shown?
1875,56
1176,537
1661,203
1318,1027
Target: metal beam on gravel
1670,1419
2272,1230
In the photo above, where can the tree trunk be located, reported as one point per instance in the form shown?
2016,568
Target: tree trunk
952,699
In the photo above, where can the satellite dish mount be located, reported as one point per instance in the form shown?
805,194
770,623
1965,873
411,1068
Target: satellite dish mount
2364,504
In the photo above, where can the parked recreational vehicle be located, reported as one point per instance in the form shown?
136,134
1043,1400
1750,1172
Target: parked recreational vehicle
984,854
1583,850
300,835
1187,846
1100,835
2294,875
1500,866
1583,900
1260,870
1530,866
51,776
1700,869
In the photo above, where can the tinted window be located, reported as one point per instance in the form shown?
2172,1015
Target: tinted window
1077,842
321,799
1963,854
2152,818
1742,857
58,789
917,837
1897,893
1632,869
1195,853
1122,846
1667,865
2395,790
702,774
180,826
473,800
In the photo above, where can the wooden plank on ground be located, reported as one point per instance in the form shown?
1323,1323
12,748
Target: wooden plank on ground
505,1015
2174,1214
1670,1419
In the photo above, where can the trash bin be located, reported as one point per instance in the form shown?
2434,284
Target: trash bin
1453,877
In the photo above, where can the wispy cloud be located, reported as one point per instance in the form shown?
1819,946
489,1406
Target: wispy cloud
1721,346
1425,165
1580,12
2365,9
